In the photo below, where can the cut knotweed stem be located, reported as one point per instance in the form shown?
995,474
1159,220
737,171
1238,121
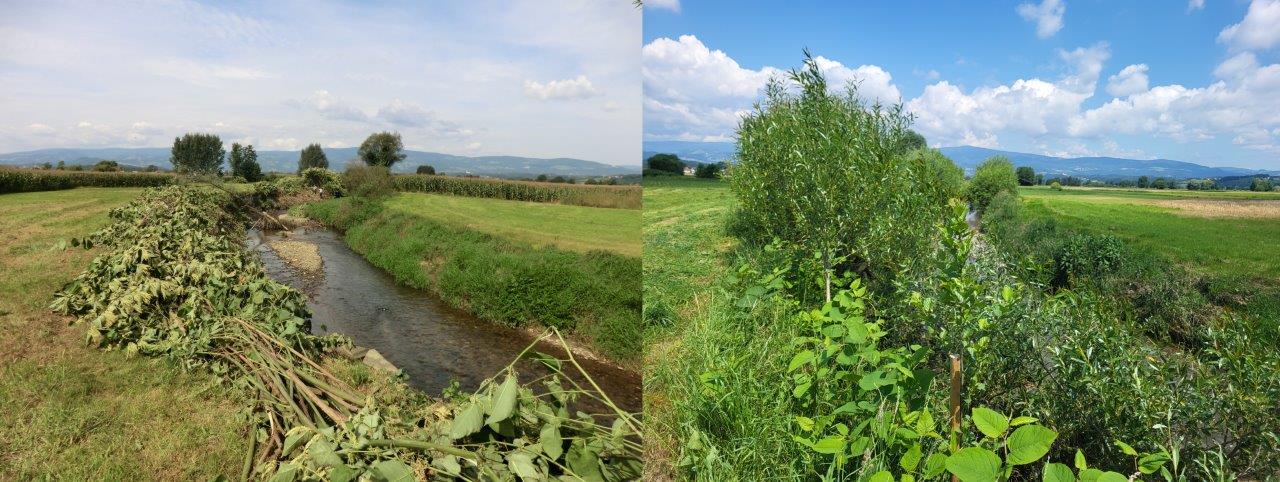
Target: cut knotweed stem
421,445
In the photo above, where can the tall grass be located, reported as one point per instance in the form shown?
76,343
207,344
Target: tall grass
30,180
622,197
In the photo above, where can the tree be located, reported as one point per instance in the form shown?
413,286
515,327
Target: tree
1260,184
823,173
244,163
912,140
1026,176
1039,178
709,171
382,149
541,178
62,165
426,169
1144,182
152,168
994,175
666,162
197,153
1159,183
46,166
106,166
312,156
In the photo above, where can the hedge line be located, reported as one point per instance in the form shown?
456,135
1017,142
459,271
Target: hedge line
29,180
624,197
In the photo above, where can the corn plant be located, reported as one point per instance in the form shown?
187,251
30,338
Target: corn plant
29,180
624,197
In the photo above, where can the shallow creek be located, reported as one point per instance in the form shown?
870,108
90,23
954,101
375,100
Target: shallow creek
432,342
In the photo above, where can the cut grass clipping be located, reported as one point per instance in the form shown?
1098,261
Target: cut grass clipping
175,282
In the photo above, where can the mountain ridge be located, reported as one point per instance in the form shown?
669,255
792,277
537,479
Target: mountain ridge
287,161
968,158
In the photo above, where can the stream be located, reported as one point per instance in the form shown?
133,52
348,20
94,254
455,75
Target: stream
430,341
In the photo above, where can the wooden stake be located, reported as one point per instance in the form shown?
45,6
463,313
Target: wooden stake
955,402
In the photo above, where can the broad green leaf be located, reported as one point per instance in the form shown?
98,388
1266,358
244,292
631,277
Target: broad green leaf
1126,448
1081,464
881,476
934,465
1112,477
989,422
1023,421
504,403
1090,475
343,473
1152,463
467,422
286,473
1055,472
394,471
830,445
805,423
522,464
1029,443
799,360
911,459
321,451
584,462
974,464
550,440
297,437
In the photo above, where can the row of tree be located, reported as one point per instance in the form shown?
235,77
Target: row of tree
199,153
671,164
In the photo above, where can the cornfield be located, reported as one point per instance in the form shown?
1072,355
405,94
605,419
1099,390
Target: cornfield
621,197
29,180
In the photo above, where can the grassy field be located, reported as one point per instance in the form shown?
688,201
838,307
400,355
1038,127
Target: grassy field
82,410
1221,232
573,228
685,246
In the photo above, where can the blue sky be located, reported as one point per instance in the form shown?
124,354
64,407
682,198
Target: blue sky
486,77
1195,81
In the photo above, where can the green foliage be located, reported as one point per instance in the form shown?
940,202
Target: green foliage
823,172
709,171
106,166
1055,185
667,163
1260,184
425,169
372,181
625,197
327,181
596,294
312,156
993,176
912,140
197,153
1026,176
29,180
244,163
382,149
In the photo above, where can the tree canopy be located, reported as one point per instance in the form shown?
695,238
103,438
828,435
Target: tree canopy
197,153
244,163
312,156
666,162
1026,176
994,175
382,149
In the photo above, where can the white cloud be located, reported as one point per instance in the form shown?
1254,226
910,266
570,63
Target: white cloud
1130,80
1047,16
1195,5
568,89
1259,30
38,128
329,107
874,83
405,114
672,5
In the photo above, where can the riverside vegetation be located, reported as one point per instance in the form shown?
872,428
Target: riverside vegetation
813,339
160,289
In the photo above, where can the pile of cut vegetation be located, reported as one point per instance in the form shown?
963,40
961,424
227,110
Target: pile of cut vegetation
176,282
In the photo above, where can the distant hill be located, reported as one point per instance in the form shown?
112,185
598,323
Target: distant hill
287,161
968,158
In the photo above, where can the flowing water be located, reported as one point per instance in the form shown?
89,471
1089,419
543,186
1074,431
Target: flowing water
432,342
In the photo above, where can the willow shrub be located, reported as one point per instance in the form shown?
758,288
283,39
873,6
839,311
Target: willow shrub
624,197
826,173
29,180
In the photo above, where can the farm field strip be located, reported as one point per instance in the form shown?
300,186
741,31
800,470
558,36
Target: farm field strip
569,227
1225,237
685,242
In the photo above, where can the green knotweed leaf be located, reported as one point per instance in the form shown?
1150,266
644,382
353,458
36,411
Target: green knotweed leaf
974,464
394,471
989,422
467,422
1055,472
1029,443
504,403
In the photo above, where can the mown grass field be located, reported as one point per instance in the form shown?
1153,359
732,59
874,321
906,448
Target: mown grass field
573,228
685,246
1224,233
73,412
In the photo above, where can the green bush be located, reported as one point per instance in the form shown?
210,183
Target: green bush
368,181
1055,185
823,173
328,181
28,180
993,176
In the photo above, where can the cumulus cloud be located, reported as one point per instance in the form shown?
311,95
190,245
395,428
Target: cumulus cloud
1047,16
568,89
405,114
1259,30
672,5
329,107
1130,80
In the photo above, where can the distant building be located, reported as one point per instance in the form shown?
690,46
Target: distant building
688,171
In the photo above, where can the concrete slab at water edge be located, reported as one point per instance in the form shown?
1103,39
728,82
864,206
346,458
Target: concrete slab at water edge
376,361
